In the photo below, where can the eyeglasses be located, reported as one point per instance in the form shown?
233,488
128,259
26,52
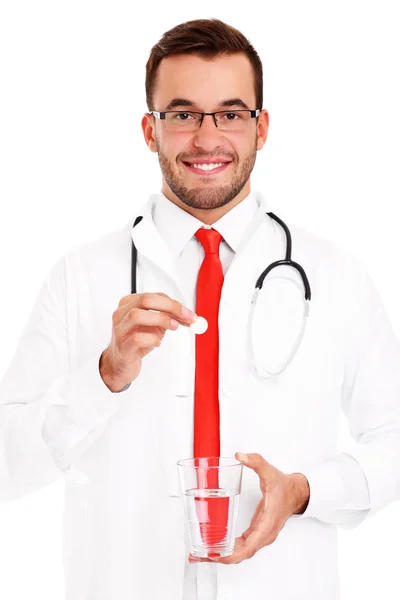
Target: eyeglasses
232,120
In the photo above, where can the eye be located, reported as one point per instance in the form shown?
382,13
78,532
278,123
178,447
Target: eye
186,116
234,116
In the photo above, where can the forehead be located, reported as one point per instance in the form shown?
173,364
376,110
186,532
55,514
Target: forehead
206,82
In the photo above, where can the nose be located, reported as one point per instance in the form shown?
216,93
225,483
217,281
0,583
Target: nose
208,135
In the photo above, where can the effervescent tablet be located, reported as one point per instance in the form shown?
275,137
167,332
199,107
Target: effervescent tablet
199,326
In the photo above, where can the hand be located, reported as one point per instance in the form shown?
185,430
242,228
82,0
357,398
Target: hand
136,331
282,496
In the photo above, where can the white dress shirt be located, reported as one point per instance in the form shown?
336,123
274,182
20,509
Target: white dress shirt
177,227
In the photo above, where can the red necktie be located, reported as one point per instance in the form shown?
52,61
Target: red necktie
206,402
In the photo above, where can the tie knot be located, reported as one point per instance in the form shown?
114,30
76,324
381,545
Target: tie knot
210,240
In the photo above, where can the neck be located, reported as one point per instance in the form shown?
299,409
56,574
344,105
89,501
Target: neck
207,215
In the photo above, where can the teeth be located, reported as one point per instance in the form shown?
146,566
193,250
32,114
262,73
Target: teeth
205,167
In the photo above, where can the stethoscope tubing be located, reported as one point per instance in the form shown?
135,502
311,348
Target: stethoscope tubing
287,261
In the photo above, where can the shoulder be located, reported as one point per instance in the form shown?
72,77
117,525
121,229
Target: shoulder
102,249
336,273
324,253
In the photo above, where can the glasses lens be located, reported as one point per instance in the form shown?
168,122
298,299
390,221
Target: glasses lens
234,120
182,121
279,318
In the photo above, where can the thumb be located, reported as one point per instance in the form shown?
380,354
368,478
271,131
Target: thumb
240,456
254,461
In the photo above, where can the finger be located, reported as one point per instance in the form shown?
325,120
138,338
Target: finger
137,317
197,559
163,303
132,336
256,462
141,339
239,541
245,548
131,297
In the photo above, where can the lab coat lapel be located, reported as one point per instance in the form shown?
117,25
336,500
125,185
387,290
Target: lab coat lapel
251,254
150,243
250,231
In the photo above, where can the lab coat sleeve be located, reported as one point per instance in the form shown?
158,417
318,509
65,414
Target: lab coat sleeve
353,485
48,413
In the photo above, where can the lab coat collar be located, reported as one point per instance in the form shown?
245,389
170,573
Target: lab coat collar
151,244
177,226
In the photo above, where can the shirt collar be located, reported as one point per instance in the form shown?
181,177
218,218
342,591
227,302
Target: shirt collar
177,227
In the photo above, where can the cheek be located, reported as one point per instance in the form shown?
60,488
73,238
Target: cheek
242,149
173,143
172,150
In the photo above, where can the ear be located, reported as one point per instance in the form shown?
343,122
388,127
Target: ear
148,128
262,128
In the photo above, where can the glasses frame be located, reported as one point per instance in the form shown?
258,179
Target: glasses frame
161,114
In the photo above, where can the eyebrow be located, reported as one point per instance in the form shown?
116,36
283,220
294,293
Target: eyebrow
184,102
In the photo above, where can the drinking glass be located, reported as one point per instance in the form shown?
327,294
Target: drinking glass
211,489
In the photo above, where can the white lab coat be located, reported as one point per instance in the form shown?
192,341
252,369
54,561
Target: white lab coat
124,530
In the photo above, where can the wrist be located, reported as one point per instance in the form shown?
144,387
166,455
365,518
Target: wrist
299,493
107,374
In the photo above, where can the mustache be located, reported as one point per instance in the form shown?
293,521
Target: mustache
206,157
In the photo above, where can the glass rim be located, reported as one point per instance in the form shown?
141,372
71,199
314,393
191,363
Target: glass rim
235,463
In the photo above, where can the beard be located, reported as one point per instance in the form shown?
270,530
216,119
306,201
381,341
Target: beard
209,196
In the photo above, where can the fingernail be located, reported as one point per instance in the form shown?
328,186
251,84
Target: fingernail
242,457
188,314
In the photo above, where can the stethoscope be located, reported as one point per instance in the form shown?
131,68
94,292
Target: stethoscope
287,261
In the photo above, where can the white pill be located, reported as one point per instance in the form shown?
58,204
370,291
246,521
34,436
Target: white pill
199,326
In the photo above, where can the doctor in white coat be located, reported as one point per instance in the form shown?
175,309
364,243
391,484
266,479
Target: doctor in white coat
100,390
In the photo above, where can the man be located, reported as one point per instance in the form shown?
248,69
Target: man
114,415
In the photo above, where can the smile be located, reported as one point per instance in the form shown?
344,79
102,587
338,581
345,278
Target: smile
206,169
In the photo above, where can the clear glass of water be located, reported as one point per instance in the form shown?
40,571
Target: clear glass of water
211,489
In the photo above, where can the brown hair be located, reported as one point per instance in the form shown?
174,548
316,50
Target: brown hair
206,38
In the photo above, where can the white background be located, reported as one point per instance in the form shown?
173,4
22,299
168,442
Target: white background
74,165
